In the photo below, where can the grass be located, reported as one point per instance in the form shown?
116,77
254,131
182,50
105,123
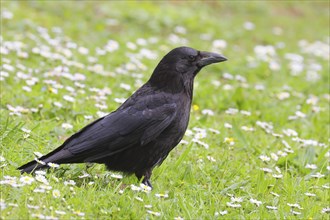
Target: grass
194,182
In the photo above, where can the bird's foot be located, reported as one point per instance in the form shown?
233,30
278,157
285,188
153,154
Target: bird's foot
147,182
146,177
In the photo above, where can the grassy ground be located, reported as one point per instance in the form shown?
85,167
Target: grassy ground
65,63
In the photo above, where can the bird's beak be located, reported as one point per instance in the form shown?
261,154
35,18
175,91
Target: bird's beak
208,58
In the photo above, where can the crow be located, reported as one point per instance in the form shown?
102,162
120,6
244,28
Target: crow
140,134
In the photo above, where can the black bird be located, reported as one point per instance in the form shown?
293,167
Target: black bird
145,128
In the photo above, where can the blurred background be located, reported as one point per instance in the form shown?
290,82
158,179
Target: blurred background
257,37
277,45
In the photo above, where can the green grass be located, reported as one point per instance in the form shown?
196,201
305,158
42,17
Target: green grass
198,181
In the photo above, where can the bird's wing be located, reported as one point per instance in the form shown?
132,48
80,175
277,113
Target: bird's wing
120,130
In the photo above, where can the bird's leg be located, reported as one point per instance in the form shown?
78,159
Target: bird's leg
88,167
146,177
147,182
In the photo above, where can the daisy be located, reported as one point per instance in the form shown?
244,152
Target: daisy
79,213
256,202
26,130
264,158
42,179
56,193
184,142
67,126
201,143
231,111
225,212
207,112
88,117
139,198
160,195
153,213
249,26
245,128
325,210
295,205
271,207
59,212
40,161
32,206
266,170
236,199
234,205
39,216
311,166
278,176
274,156
295,212
211,159
116,176
283,95
310,194
70,182
26,180
68,98
53,165
135,188
46,187
227,125
290,132
214,131
230,141
318,175
40,172
246,113
275,194
84,175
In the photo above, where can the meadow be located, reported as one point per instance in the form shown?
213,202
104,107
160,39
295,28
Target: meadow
257,145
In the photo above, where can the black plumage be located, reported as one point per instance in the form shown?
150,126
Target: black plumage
145,128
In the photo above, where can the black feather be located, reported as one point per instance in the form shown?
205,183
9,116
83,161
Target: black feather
142,131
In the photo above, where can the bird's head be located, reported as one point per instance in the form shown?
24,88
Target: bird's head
181,65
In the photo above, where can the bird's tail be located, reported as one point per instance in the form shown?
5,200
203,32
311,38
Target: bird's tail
58,156
31,166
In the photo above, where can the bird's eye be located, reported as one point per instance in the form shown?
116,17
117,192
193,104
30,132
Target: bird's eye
192,58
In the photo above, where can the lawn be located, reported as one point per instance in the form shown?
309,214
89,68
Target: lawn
257,145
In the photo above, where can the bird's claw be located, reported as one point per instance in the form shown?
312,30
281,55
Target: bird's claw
147,182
